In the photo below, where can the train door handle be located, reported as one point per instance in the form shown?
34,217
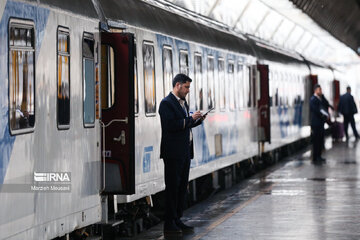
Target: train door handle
264,113
121,138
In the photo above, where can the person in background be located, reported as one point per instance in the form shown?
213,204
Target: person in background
347,108
177,151
326,106
318,118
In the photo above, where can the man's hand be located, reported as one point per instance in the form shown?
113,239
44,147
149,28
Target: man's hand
196,115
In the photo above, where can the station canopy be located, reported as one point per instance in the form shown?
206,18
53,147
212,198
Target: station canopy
278,22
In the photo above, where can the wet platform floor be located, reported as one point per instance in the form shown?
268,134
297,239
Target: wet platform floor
294,199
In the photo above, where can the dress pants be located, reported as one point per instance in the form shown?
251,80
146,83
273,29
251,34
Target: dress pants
176,182
350,119
318,134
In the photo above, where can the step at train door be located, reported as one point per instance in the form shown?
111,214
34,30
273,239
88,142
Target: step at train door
263,103
117,100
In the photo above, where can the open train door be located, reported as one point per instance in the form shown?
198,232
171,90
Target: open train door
263,103
117,95
313,81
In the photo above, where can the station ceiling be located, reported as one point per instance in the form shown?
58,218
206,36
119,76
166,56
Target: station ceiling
332,35
340,18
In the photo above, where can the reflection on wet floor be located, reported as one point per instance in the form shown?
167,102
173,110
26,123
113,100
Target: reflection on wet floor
293,200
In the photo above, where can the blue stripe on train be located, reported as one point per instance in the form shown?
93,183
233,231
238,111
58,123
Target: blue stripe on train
22,11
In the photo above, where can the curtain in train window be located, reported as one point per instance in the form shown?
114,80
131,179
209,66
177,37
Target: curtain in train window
21,76
221,72
136,86
240,86
231,86
211,83
88,81
199,86
63,79
184,63
149,77
167,70
184,68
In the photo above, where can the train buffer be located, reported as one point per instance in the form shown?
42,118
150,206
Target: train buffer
294,199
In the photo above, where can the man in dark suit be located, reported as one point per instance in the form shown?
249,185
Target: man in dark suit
347,108
318,118
177,151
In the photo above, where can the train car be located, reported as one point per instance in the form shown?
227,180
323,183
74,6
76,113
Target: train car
81,90
287,94
49,127
221,80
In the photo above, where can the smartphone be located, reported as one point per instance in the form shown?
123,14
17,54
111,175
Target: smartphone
208,111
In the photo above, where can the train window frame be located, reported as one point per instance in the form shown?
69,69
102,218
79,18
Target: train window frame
110,87
221,83
231,83
185,52
65,31
136,81
212,85
240,85
196,83
90,37
28,25
169,48
149,114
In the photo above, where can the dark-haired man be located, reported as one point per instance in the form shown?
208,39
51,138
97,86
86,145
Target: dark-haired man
177,151
318,118
347,108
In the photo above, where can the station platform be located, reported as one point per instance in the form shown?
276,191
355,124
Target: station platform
294,199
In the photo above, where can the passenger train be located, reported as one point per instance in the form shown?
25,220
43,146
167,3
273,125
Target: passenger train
81,83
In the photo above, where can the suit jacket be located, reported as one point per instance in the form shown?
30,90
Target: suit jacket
317,118
347,105
175,129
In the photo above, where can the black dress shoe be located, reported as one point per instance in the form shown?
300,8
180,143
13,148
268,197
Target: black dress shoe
185,228
172,230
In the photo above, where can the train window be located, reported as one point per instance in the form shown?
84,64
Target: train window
63,78
136,87
107,76
184,67
221,78
184,62
231,86
21,76
167,69
199,86
211,82
88,80
240,86
149,78
247,87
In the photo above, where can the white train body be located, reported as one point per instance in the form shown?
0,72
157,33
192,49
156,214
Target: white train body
68,43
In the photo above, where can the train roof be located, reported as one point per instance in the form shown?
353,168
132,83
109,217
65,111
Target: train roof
141,14
148,16
81,7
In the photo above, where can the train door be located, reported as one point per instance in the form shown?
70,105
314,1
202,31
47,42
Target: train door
336,89
117,95
313,80
263,103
